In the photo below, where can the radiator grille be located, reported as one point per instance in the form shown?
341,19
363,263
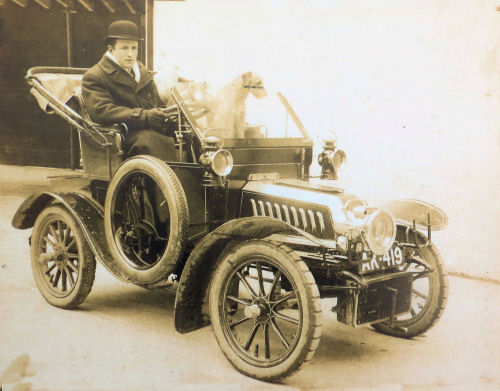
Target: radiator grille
306,219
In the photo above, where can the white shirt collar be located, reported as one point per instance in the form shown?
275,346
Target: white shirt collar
137,71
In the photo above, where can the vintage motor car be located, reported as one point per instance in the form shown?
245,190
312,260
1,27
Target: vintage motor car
249,241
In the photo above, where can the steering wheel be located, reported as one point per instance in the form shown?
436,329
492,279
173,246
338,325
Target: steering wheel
195,99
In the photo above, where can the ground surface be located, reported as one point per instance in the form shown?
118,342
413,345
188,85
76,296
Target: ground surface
123,338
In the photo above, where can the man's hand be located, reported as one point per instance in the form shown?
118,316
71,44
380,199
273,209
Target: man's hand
156,119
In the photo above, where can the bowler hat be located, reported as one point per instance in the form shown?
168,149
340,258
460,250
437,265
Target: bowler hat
123,29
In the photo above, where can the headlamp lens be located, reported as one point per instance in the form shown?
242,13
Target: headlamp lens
380,232
221,162
338,158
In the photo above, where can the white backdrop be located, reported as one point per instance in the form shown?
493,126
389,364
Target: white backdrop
412,91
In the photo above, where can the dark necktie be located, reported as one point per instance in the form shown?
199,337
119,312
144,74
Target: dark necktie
132,73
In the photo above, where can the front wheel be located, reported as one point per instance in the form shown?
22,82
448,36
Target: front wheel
61,259
265,310
429,295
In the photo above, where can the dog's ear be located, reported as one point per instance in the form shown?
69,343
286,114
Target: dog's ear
246,78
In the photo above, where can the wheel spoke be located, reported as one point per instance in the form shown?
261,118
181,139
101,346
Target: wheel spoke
56,278
67,234
245,283
252,336
50,269
72,255
60,232
54,234
266,340
261,280
238,300
286,297
420,294
276,279
285,318
63,279
48,241
238,322
70,276
70,244
71,266
280,334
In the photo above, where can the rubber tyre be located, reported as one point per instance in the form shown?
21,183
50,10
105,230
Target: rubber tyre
310,328
434,307
173,192
86,265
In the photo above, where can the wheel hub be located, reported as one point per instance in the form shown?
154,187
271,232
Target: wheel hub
60,257
259,310
252,311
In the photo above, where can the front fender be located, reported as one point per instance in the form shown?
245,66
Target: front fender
420,213
87,213
191,302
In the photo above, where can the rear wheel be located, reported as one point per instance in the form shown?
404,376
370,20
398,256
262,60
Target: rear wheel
62,262
265,310
429,295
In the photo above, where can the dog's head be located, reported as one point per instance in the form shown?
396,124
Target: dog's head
254,83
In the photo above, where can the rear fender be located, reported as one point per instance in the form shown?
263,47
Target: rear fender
87,213
191,302
29,210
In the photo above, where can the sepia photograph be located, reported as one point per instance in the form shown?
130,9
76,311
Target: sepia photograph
249,195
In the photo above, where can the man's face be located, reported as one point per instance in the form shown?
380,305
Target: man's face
125,52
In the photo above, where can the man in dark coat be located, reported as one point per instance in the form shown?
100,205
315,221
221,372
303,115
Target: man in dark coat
119,89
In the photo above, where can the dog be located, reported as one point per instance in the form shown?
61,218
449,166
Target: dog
225,111
227,108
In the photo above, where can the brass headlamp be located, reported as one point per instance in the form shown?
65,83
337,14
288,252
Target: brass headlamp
217,161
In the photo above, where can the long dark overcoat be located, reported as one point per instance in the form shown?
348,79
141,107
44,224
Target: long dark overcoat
113,96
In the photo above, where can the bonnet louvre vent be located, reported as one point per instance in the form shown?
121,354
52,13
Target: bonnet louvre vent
304,218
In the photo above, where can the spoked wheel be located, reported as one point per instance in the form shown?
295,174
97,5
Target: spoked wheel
145,219
265,310
62,262
429,295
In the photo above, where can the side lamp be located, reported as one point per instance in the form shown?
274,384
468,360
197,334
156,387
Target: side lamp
331,159
217,161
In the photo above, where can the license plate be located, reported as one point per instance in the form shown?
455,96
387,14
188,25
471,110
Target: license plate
391,259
